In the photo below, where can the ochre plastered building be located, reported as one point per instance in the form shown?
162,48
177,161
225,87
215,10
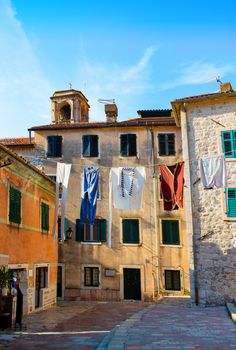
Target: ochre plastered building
26,216
143,266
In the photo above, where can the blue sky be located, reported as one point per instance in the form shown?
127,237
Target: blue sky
141,53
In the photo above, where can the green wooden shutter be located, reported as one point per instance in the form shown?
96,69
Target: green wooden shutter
57,146
44,216
124,145
14,205
93,145
170,232
231,202
171,144
66,226
79,235
132,144
102,230
168,280
130,231
86,146
50,146
228,143
162,144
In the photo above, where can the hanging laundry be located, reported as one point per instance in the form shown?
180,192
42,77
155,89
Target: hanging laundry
213,171
89,195
126,188
172,185
62,180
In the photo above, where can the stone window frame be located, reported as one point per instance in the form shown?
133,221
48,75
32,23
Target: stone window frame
140,231
180,245
137,144
181,270
99,276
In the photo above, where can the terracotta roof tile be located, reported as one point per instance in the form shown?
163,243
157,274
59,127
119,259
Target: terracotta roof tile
19,141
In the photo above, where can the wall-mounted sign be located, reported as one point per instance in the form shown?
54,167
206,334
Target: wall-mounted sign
110,272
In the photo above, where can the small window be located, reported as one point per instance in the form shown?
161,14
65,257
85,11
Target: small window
170,232
90,146
91,276
128,145
229,143
130,231
230,202
14,205
166,144
172,280
44,216
52,177
54,146
91,233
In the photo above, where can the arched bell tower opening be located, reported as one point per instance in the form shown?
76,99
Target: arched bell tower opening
64,112
69,106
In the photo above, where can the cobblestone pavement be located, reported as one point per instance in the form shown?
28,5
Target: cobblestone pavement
172,324
70,325
168,324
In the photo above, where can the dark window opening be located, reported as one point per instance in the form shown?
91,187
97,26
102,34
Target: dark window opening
128,145
166,144
172,280
91,276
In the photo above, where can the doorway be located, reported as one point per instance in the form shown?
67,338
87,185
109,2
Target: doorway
41,281
132,284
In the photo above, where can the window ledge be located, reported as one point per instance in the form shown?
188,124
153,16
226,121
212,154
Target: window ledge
14,224
91,287
131,244
171,245
229,219
90,157
91,243
230,159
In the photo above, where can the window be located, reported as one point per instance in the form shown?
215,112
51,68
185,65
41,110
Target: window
54,146
230,202
170,232
128,147
166,144
172,280
66,227
229,143
14,205
44,216
130,230
91,276
91,233
90,146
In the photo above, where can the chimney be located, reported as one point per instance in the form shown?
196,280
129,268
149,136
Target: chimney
111,112
226,87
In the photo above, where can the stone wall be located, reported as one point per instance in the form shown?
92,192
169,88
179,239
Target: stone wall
214,234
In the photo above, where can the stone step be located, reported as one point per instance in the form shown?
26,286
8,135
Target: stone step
231,307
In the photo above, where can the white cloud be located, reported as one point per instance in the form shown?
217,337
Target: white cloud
24,91
112,81
199,73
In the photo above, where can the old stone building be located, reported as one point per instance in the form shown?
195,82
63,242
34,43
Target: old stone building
208,124
147,252
26,216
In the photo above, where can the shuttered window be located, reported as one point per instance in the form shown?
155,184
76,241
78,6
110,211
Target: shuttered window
166,144
91,276
229,143
14,205
90,146
128,145
54,147
172,280
231,202
170,232
44,216
91,233
130,231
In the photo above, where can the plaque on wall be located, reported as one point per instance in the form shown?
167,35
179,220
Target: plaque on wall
110,272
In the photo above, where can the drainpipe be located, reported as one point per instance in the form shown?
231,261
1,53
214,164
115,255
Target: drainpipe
188,207
154,177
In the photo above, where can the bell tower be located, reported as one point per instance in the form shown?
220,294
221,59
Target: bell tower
69,106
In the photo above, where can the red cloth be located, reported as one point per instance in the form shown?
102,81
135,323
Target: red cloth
172,185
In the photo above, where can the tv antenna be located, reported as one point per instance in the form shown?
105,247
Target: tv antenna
112,100
218,80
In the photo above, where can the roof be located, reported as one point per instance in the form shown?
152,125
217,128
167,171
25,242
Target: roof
155,113
68,92
20,141
24,162
136,122
205,96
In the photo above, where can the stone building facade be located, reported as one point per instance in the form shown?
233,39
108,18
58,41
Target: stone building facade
208,124
140,269
26,216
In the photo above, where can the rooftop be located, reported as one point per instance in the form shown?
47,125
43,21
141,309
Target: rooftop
20,141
